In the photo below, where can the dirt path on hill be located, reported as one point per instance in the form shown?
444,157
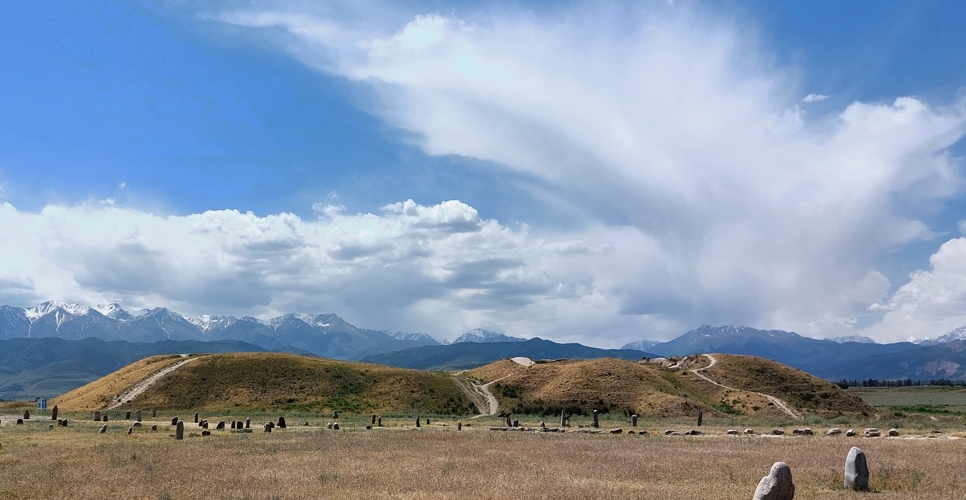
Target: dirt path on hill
143,385
777,402
480,394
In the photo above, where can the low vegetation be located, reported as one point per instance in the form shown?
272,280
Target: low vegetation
99,393
285,382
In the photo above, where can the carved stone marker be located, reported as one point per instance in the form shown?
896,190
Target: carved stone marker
53,413
777,485
220,426
104,418
732,432
268,427
893,432
281,422
516,423
204,424
872,432
196,417
329,426
379,422
174,421
373,419
563,418
596,422
777,432
179,430
26,414
459,425
850,432
103,429
19,421
138,416
97,416
417,421
335,414
130,430
127,415
700,417
248,423
834,431
633,420
154,428
335,426
205,433
232,424
136,424
427,420
856,470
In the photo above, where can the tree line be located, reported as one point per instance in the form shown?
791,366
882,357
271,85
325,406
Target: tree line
845,384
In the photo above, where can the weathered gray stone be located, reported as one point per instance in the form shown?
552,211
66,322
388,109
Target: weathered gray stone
19,421
335,414
127,415
777,485
220,426
104,418
281,422
596,422
205,433
893,432
137,424
616,431
459,425
692,432
50,427
248,423
633,420
373,419
834,431
369,427
130,430
732,432
138,416
856,470
335,426
749,431
154,413
777,432
306,424
850,432
26,414
329,426
196,417
268,427
700,417
179,430
516,423
97,416
103,429
379,422
417,421
232,424
174,421
53,413
872,432
154,428
669,432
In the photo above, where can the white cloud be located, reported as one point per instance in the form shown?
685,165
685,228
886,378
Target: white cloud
815,98
121,185
962,227
439,269
742,209
933,302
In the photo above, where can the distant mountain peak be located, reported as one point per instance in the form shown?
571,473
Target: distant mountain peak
480,335
50,306
859,339
641,345
207,322
958,333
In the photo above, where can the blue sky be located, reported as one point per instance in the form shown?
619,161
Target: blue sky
570,137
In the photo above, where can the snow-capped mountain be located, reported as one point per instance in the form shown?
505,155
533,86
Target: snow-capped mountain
641,345
324,334
480,335
852,338
421,338
954,334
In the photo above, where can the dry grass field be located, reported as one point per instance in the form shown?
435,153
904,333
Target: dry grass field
436,461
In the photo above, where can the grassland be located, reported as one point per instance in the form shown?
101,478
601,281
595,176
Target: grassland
624,387
436,461
100,392
284,382
931,400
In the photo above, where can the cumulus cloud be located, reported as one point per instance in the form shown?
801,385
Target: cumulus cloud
440,269
933,302
815,98
741,209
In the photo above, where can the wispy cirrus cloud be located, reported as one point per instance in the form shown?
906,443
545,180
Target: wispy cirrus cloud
815,98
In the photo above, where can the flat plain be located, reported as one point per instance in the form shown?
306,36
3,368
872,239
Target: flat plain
437,461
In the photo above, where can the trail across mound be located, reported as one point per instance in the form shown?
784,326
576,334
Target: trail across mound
143,385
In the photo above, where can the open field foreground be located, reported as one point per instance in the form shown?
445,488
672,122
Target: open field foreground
436,461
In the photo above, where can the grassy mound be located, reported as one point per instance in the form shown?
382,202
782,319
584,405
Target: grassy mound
272,381
98,394
653,390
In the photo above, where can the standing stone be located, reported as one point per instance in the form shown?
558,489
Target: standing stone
543,425
281,422
103,429
138,416
516,423
633,420
220,426
196,417
206,433
127,416
777,485
850,432
329,426
154,428
136,425
379,422
834,431
179,430
268,427
459,425
154,413
63,423
563,418
893,432
335,426
26,414
427,420
104,418
204,424
373,419
232,424
596,422
417,421
856,470
53,413
248,423
335,414
97,416
50,427
19,421
700,417
130,430
174,421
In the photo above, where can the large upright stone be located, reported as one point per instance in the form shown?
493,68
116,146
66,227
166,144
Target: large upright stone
127,415
138,416
596,422
281,422
174,421
97,416
53,413
563,418
248,423
417,421
179,430
856,470
26,414
777,485
633,420
700,417
196,417
379,422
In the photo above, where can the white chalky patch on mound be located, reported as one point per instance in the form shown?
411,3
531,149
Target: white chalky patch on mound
521,360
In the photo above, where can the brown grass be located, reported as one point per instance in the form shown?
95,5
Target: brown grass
98,394
624,387
437,462
277,382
